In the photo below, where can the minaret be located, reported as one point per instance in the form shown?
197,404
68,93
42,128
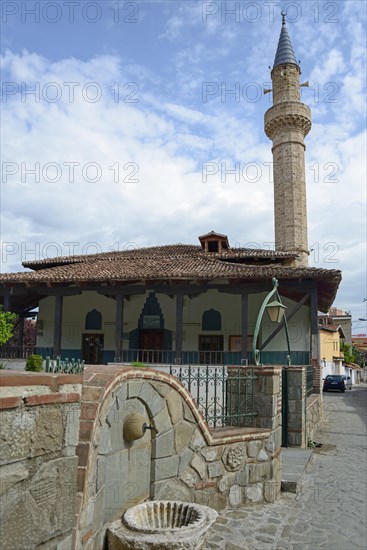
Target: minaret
287,122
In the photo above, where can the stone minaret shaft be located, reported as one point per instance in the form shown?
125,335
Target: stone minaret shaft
287,122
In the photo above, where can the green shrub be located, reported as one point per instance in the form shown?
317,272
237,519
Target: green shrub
34,363
6,325
137,364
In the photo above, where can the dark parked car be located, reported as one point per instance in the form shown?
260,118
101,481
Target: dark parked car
335,382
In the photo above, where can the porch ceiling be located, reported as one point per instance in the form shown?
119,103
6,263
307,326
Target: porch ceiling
27,295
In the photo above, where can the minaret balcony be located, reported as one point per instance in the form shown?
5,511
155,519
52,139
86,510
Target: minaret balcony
292,115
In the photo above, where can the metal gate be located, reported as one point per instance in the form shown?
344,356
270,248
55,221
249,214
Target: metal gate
285,407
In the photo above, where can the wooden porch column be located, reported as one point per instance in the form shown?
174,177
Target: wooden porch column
179,325
58,325
314,325
7,300
119,326
21,332
317,368
244,324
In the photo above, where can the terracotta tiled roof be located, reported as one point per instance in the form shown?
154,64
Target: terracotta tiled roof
360,342
331,328
353,366
359,339
174,262
165,268
176,250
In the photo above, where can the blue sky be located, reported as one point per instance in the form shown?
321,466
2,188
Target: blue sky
141,109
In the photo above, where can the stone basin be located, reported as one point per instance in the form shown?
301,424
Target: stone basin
161,525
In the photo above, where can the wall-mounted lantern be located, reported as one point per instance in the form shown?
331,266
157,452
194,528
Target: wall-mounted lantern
276,311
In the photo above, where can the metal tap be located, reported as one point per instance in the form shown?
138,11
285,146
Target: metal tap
146,427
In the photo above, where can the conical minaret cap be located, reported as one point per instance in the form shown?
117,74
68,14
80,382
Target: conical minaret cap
285,53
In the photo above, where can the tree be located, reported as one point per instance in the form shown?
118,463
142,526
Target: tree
6,325
28,333
348,353
359,356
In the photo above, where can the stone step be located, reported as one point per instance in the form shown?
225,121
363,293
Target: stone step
294,463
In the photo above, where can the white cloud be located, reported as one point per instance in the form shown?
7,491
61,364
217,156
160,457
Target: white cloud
183,113
173,28
169,186
331,66
164,138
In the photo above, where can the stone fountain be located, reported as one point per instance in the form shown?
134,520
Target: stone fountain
161,525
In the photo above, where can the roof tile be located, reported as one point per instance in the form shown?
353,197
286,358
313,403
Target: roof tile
173,262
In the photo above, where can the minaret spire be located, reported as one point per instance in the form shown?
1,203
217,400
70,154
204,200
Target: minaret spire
285,53
287,123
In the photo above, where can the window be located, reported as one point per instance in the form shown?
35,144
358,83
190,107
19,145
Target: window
93,320
213,246
211,320
211,343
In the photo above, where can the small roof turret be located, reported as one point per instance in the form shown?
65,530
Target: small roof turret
214,242
285,53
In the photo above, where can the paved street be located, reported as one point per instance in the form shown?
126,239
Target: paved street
329,510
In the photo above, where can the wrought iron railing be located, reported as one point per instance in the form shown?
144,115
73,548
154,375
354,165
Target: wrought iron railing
16,352
224,394
166,357
309,380
23,352
202,357
147,356
67,367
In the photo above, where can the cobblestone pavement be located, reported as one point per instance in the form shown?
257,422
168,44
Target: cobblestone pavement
329,510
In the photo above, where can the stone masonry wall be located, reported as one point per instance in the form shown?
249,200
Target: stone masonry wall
39,415
268,403
226,467
314,416
317,376
305,414
297,436
55,500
